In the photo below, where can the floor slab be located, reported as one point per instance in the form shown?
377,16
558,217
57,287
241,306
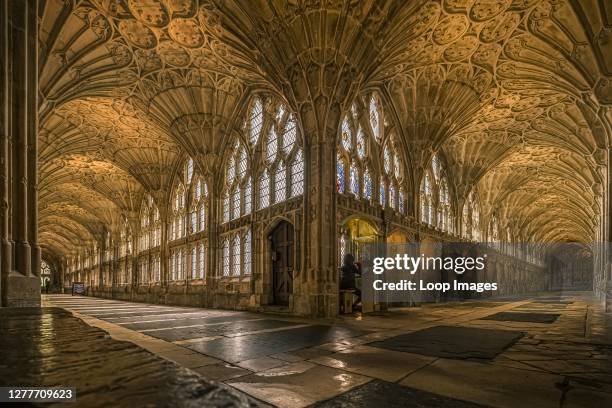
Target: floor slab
452,342
487,384
298,384
389,395
375,362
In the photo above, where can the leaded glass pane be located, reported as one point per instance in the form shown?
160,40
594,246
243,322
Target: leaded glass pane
264,190
246,262
194,263
290,134
272,146
226,207
392,196
387,159
201,266
297,175
242,164
202,218
381,193
226,258
256,121
374,118
236,203
280,183
189,172
361,143
231,170
247,196
236,256
346,134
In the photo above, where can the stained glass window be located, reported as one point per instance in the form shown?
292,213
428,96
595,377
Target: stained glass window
367,185
354,176
339,174
381,193
346,134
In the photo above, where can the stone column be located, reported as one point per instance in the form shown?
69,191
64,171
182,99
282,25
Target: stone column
319,117
606,232
20,285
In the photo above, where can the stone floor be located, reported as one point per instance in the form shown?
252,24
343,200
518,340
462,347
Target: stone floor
553,350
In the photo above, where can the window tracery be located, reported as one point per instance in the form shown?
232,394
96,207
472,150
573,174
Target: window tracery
435,199
282,167
471,217
365,135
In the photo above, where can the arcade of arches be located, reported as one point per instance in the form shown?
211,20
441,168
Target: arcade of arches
228,153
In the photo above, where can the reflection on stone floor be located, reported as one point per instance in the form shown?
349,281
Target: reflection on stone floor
507,353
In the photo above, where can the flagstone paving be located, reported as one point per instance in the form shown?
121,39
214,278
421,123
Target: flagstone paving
499,353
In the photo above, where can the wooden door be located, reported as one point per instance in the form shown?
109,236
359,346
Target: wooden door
282,262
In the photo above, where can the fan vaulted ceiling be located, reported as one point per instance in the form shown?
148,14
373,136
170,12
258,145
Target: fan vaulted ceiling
515,93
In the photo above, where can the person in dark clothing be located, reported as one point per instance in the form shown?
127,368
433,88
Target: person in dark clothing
348,273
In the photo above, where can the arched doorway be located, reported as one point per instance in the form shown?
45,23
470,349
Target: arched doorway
283,240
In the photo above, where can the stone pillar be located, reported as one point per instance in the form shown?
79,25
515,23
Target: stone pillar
318,293
20,265
606,229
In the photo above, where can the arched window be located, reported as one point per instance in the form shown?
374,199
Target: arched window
236,260
177,217
237,189
236,253
189,209
282,173
225,257
45,272
392,175
436,204
125,247
198,205
365,135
